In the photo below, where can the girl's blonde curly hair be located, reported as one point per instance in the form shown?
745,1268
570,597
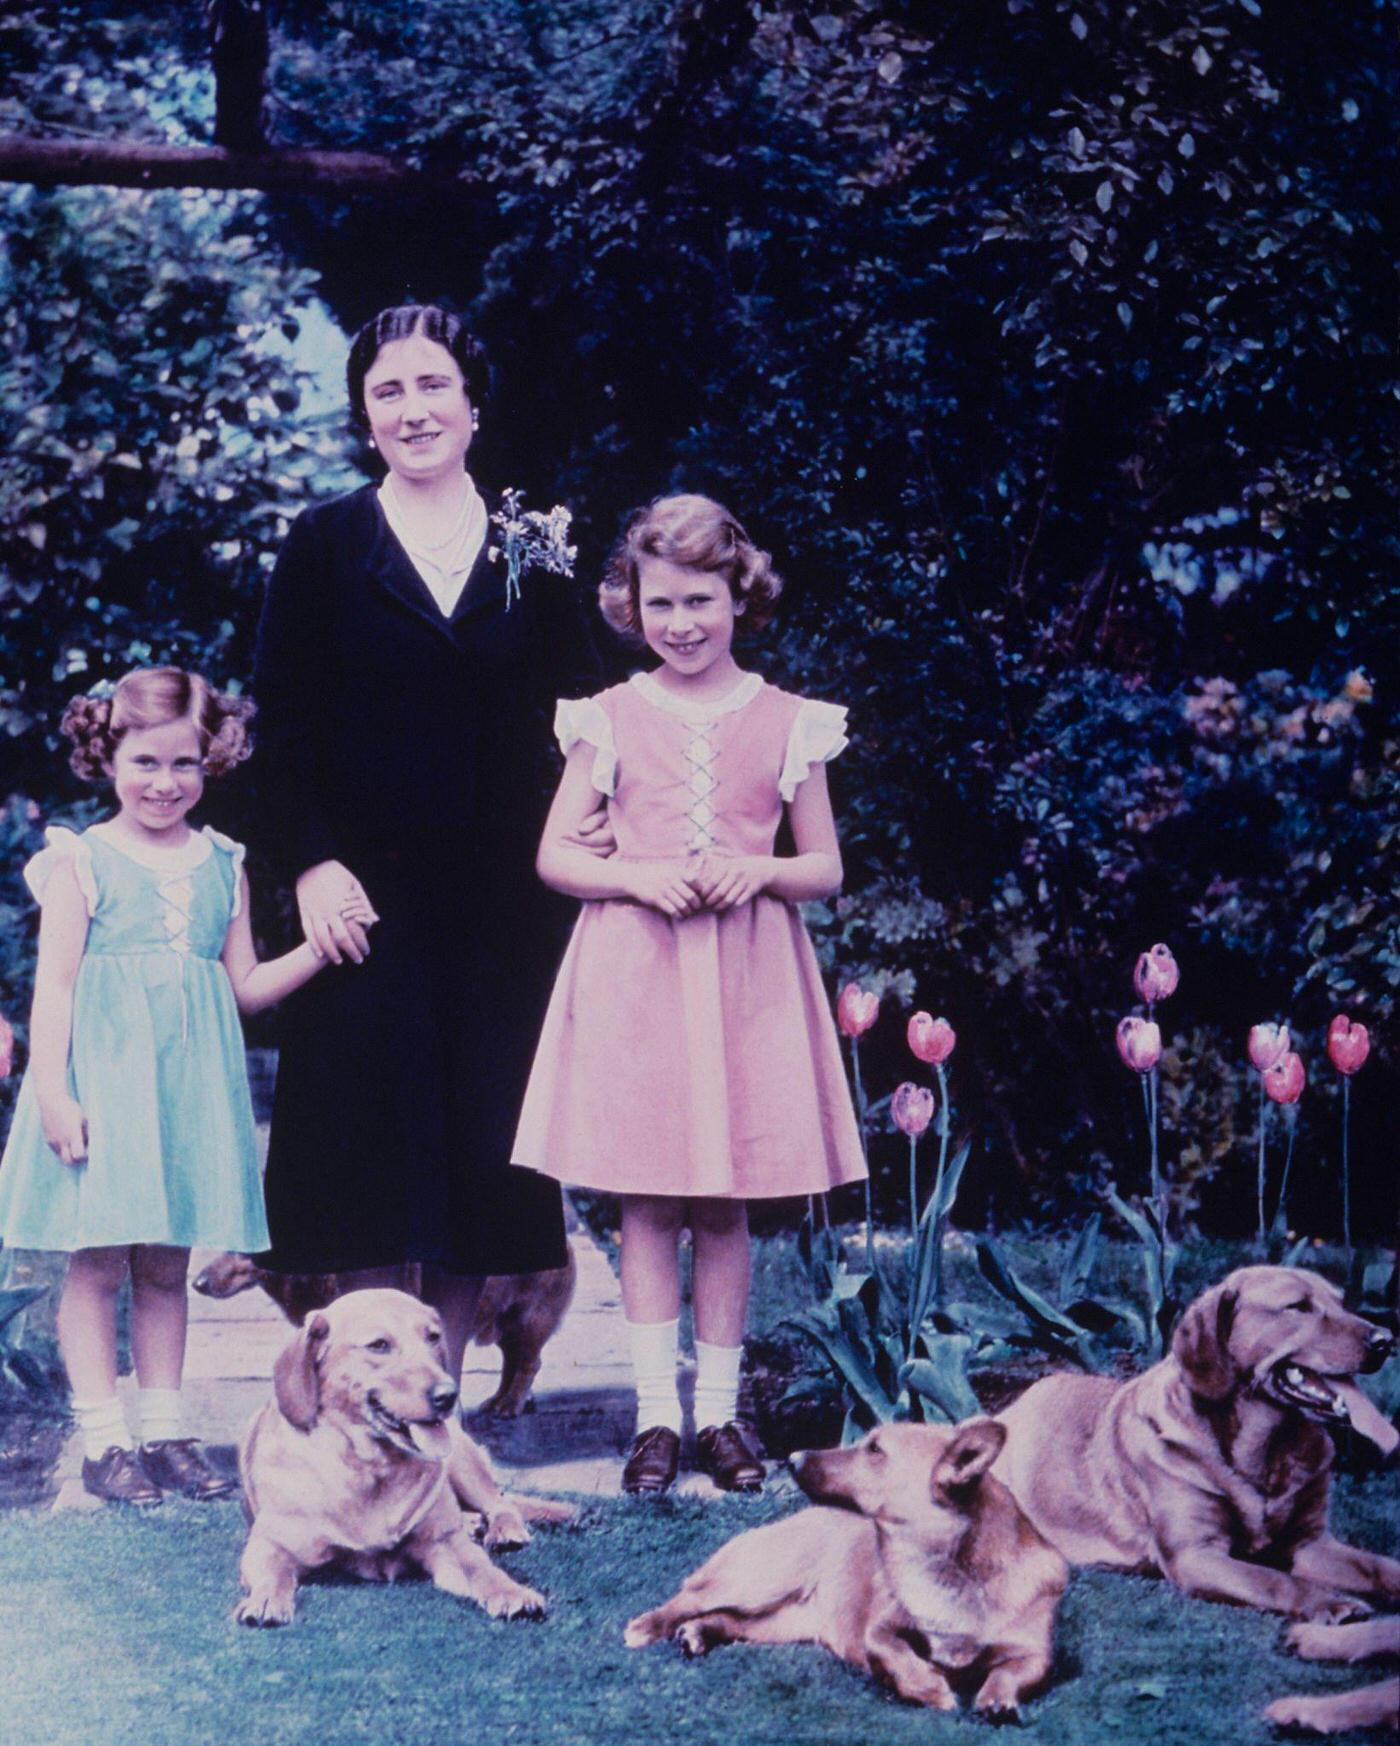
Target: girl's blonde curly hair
151,697
698,534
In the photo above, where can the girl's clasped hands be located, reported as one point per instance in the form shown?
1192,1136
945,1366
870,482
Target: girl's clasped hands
680,889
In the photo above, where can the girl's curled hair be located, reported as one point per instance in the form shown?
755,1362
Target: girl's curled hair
151,697
697,534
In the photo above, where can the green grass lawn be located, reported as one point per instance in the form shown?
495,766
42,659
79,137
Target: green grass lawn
116,1632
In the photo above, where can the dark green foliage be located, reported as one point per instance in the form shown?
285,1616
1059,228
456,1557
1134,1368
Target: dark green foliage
1046,344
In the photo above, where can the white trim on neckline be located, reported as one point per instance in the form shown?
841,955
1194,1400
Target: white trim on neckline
171,863
699,709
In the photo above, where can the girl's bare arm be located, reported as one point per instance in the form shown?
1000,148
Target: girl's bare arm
63,927
257,985
579,872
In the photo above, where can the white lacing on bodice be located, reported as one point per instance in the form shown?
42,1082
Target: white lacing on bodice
702,783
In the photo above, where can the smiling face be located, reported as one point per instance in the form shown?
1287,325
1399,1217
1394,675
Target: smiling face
688,619
420,418
158,774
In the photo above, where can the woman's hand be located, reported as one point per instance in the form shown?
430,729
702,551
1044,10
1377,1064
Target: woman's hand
665,885
594,833
726,881
65,1128
334,912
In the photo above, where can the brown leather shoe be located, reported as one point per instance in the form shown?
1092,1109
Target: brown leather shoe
652,1462
117,1477
722,1452
179,1464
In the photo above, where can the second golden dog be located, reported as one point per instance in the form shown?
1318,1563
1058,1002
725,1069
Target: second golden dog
358,1463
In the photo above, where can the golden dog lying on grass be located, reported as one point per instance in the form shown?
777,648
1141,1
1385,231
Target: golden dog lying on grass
1370,1706
1213,1467
518,1312
925,1574
359,1463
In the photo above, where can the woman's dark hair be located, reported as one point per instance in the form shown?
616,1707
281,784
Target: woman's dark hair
404,320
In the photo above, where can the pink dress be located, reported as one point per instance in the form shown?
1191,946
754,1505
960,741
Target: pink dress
693,1057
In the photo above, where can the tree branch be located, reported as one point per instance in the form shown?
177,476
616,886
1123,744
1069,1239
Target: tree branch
126,164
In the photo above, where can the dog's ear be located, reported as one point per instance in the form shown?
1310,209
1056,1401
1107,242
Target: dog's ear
296,1376
1201,1344
969,1455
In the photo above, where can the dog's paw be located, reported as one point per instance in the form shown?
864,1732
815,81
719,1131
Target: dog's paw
1299,1715
1334,1609
693,1640
641,1632
506,1529
260,1610
997,1705
514,1601
1311,1641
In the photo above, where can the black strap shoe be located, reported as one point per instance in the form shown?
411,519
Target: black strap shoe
652,1462
116,1477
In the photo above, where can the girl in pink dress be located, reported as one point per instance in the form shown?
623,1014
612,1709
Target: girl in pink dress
688,1061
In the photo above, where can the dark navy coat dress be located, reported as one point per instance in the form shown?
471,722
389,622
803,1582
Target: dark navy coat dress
417,750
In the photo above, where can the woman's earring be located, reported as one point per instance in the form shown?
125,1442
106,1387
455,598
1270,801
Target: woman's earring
476,419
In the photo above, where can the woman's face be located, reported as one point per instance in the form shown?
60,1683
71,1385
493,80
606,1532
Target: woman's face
420,418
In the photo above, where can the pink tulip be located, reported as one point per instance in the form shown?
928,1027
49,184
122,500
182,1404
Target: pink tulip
856,1010
931,1039
1267,1044
1284,1081
911,1109
1156,975
1139,1044
7,1047
1348,1045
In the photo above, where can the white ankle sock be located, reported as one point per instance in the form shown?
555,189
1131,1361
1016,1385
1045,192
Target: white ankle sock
103,1426
158,1414
716,1383
654,1367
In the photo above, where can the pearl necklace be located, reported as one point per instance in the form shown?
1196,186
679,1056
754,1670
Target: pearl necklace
456,533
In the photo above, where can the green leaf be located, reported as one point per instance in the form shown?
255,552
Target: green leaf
941,1376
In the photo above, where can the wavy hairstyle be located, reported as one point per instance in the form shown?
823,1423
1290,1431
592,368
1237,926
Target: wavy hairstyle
431,322
151,697
698,534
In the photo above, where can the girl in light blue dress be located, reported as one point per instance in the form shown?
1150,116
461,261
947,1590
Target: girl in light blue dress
133,1134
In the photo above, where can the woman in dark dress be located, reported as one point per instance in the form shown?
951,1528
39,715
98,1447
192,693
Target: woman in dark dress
404,713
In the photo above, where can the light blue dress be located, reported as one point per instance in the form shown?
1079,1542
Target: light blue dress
156,1063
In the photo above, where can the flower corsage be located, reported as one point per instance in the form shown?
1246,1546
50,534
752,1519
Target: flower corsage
531,540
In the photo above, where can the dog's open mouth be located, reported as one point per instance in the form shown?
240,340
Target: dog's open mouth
1334,1400
426,1437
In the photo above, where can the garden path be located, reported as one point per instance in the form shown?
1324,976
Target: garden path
571,1442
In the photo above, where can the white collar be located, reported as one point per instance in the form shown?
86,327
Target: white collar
700,709
196,849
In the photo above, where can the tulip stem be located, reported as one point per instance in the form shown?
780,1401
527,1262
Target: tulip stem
1346,1168
914,1188
1259,1190
1281,1216
865,1153
940,1216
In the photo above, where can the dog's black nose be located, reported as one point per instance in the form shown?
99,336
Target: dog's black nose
442,1399
1379,1346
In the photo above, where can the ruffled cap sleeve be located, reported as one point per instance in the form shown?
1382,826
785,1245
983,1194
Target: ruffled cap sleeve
237,852
586,719
62,846
818,734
